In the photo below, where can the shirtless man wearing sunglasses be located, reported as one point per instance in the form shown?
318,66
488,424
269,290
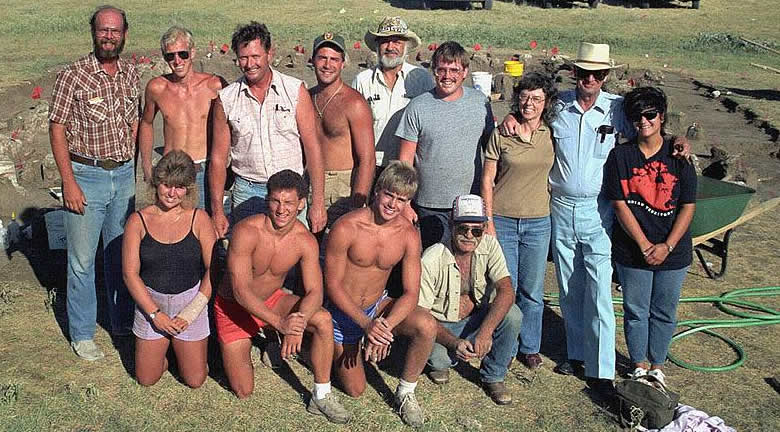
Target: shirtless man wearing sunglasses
185,98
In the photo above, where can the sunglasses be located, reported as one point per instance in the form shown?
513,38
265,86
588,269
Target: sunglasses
463,230
598,74
184,55
648,115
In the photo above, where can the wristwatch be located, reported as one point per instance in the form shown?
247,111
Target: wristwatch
670,247
154,314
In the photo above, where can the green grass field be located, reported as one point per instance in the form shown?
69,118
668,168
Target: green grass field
702,43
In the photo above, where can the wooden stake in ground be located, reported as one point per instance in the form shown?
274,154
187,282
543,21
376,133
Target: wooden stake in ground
765,67
760,45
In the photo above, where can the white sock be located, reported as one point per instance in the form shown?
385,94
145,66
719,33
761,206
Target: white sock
405,387
321,390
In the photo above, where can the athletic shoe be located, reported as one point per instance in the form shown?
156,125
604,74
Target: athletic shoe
658,375
410,410
329,407
638,373
87,350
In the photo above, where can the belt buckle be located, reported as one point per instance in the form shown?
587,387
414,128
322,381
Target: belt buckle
109,164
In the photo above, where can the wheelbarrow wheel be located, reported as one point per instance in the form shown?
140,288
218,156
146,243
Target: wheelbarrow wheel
695,4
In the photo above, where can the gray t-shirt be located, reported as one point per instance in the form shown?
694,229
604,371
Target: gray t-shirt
450,137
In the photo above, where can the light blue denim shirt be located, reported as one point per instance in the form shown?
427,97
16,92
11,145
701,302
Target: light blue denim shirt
580,153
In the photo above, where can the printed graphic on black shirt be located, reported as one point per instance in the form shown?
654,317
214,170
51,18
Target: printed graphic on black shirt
651,187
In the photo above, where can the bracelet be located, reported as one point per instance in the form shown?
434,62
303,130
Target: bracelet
669,247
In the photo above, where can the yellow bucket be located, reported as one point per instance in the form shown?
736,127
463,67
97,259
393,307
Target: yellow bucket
513,68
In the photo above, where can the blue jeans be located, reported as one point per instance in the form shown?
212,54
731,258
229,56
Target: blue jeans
582,253
525,243
494,365
203,192
650,300
434,225
249,198
110,199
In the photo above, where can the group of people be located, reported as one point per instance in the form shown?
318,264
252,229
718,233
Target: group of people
430,225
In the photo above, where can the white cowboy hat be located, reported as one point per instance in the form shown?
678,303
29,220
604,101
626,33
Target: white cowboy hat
592,56
392,26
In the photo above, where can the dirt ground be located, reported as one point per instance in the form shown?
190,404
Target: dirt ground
752,156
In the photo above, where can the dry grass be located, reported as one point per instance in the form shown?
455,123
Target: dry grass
53,390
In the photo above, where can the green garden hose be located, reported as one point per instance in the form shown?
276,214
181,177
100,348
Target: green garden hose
728,303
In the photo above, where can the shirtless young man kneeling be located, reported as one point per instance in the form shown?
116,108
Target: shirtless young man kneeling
185,98
264,248
362,249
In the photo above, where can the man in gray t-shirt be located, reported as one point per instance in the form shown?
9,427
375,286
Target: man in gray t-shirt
442,133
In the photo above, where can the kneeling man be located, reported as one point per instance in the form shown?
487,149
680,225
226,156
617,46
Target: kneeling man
363,247
264,248
466,286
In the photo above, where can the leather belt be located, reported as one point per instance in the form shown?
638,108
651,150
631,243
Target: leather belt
106,164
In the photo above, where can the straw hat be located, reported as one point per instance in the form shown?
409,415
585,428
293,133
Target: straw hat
592,56
392,26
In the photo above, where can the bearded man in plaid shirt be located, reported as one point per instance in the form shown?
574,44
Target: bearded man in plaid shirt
93,122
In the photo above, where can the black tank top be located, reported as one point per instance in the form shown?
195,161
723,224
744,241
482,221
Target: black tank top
171,268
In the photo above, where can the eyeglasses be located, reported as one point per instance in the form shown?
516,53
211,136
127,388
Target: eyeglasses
442,71
169,56
599,75
649,115
464,229
535,99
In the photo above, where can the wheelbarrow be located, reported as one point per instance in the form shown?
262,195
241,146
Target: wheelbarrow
720,208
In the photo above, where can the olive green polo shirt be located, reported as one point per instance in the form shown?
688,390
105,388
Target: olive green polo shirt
440,280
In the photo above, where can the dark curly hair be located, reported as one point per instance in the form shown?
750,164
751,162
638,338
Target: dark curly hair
249,32
533,81
288,180
644,98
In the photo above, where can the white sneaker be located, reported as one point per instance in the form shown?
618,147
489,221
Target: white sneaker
638,373
87,350
410,410
658,375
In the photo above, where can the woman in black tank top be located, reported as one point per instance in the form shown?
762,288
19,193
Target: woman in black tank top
166,253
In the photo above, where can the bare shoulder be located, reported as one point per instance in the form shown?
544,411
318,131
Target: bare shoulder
249,227
303,237
354,102
212,81
156,85
349,224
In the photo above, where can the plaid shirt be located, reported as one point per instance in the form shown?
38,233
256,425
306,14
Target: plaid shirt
98,110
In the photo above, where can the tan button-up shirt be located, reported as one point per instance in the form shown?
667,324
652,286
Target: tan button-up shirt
99,111
387,104
440,281
264,136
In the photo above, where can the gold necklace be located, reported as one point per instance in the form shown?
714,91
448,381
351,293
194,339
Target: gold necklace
320,112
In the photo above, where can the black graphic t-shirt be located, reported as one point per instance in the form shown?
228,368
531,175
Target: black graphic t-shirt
654,189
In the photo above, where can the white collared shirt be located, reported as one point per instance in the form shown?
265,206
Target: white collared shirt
387,104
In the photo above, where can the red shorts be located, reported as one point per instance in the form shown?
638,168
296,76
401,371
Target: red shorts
234,322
